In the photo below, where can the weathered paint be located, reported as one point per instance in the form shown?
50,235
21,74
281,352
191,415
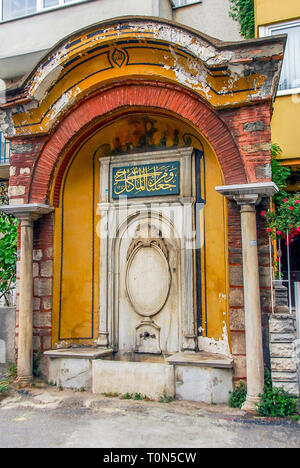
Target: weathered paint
222,74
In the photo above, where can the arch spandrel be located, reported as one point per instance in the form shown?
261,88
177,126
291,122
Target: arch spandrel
223,74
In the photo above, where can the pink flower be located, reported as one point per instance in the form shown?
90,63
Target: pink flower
298,228
269,230
291,208
297,201
284,199
278,233
263,213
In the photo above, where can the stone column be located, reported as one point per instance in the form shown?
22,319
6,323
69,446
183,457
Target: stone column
103,211
254,347
26,214
25,301
247,197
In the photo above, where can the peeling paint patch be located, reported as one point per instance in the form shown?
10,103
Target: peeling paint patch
63,103
210,345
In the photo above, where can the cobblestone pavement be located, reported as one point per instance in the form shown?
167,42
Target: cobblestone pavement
48,417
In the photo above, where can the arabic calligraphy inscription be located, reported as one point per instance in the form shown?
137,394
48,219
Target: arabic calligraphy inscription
146,180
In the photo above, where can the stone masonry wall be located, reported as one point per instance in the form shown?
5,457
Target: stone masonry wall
236,296
284,352
42,284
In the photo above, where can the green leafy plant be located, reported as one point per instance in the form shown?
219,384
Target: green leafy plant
243,12
36,363
4,388
284,220
8,247
12,370
111,394
164,398
276,402
238,396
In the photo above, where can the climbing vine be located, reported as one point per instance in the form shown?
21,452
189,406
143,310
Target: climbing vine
284,219
243,12
8,247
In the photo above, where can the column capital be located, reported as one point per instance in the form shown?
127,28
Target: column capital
248,194
27,212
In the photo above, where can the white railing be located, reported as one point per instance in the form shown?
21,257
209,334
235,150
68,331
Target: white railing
297,305
4,150
288,281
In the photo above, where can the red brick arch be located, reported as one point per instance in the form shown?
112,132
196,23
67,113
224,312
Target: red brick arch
120,98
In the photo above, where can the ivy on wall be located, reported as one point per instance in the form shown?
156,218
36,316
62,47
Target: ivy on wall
243,12
8,247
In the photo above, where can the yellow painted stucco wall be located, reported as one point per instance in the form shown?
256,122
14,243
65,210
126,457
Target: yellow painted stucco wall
286,115
275,11
77,245
285,125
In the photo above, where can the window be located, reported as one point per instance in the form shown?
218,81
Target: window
16,8
290,74
12,9
178,3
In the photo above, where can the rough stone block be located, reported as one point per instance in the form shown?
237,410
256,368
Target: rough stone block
7,337
281,324
263,171
282,337
284,377
149,379
24,170
239,367
16,191
37,254
47,268
284,364
238,343
203,384
237,319
22,148
236,275
236,297
42,287
256,126
42,319
292,388
282,350
47,303
12,171
16,201
35,272
256,148
49,252
70,373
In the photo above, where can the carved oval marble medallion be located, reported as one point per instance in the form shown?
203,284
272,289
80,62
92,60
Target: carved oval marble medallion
148,280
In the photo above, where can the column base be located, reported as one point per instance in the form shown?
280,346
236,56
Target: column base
25,381
103,340
250,405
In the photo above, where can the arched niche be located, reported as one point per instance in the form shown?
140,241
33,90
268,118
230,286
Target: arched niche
76,233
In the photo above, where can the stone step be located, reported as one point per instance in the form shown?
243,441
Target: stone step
203,377
72,367
149,379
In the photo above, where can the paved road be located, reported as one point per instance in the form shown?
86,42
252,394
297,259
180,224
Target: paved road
50,418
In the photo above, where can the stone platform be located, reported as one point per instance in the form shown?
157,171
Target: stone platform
72,367
202,377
